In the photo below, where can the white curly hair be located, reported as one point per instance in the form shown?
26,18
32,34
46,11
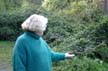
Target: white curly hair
35,23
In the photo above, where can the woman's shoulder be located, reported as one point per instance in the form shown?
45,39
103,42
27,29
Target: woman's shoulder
20,41
21,38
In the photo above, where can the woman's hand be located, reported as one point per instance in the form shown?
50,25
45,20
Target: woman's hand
69,55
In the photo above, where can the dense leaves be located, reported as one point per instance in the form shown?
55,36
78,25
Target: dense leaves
10,24
87,31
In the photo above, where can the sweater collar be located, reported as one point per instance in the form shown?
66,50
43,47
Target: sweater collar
32,34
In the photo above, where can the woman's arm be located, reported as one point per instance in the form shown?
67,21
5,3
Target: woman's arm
19,57
56,56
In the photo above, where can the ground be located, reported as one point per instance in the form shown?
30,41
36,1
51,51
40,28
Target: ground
5,55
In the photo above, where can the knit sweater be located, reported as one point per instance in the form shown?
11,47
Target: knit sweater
32,53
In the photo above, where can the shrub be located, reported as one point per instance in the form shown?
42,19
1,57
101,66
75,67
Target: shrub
6,33
10,24
101,52
83,64
101,31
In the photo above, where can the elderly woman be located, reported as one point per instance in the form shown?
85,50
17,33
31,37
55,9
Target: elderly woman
31,52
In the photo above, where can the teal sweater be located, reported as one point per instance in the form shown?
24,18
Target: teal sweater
32,53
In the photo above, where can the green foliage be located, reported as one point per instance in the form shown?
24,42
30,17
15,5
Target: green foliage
10,4
86,27
55,4
35,1
101,52
6,33
10,24
101,31
15,4
83,64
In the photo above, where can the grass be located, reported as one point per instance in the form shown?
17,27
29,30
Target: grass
5,53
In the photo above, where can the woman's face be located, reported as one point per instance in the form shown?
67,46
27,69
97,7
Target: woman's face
40,33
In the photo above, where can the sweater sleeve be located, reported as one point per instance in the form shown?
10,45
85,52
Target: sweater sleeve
19,56
56,56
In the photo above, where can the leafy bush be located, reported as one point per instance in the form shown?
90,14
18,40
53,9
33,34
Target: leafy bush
6,33
101,52
86,30
101,31
10,24
83,64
